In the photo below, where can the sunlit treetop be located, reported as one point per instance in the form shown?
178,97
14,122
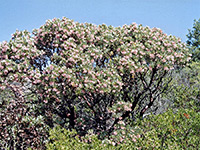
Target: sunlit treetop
89,57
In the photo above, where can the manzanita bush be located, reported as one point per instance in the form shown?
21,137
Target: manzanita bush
91,77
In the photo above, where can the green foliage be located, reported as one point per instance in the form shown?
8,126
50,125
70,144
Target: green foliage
63,139
171,130
194,40
185,91
178,128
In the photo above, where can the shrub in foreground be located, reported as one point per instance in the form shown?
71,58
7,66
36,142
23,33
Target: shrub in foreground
63,139
170,130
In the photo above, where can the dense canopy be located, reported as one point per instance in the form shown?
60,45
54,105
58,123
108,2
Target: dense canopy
91,76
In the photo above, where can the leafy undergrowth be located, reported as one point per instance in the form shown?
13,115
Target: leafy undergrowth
170,130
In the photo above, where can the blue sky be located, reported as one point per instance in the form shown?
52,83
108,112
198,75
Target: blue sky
172,16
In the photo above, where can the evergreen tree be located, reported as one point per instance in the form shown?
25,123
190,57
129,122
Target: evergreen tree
194,40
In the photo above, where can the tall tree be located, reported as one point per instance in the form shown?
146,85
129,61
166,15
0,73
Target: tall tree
194,40
86,76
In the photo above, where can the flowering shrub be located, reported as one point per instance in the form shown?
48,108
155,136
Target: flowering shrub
80,73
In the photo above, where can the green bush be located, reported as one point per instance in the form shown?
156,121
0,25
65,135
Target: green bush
185,87
171,130
63,139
